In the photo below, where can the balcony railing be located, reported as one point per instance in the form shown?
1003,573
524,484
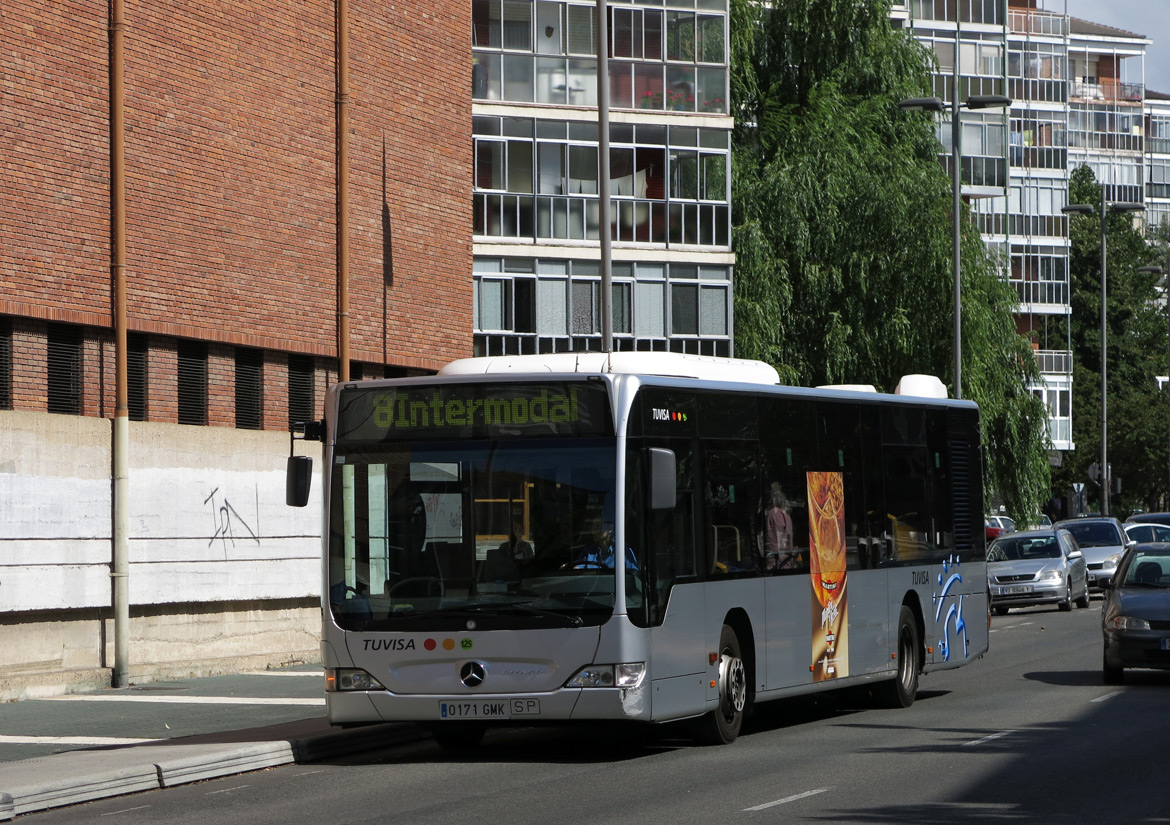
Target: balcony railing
1038,23
1058,362
1121,92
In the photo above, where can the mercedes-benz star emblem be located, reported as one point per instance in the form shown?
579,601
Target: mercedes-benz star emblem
472,674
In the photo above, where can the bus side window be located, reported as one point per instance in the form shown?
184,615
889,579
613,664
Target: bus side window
788,436
731,496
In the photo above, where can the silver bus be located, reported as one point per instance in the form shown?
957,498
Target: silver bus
646,537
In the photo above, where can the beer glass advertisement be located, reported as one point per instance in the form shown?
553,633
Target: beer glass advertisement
830,625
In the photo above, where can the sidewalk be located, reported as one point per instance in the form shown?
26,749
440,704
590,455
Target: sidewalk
79,747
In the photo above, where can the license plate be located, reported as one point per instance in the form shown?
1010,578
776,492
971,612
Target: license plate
1166,644
1018,589
489,709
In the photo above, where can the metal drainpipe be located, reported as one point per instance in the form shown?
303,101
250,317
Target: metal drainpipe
342,161
120,566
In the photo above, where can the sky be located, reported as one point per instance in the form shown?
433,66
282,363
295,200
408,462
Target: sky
1148,17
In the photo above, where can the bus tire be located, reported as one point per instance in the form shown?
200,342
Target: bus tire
457,736
901,691
721,726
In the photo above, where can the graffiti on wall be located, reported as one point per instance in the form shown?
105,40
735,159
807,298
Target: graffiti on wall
227,522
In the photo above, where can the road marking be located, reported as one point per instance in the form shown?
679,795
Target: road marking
314,673
182,700
128,810
993,736
227,790
72,740
786,799
1108,696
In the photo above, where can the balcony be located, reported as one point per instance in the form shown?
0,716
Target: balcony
1037,22
1111,91
1054,362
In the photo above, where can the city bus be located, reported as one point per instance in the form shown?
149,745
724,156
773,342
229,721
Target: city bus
647,537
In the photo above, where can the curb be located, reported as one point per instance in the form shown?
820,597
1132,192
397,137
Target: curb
84,776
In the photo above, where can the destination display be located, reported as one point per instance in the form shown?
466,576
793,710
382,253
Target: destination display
373,414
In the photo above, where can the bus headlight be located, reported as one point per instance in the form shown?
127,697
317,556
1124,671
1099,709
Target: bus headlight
350,678
627,675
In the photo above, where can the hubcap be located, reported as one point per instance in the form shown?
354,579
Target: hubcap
732,683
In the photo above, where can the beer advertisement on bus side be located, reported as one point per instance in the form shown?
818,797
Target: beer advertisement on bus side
830,625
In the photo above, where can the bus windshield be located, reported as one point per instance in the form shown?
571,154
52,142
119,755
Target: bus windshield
490,534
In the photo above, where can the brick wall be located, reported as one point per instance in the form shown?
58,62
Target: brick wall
230,182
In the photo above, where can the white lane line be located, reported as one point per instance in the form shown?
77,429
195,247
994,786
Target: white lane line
786,800
316,674
128,810
227,790
1107,696
72,740
993,736
182,700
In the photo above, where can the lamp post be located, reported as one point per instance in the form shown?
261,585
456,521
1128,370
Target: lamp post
1104,210
935,104
1157,270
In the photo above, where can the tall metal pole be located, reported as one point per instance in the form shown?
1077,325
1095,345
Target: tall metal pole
341,36
1105,474
957,206
603,176
120,560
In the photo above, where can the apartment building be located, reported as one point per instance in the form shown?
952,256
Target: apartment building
537,283
1078,94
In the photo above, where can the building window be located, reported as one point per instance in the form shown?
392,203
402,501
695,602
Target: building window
249,393
192,382
300,388
5,363
137,347
64,369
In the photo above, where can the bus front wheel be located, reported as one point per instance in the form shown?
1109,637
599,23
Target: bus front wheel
721,726
901,692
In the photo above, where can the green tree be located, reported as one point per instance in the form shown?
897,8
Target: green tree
842,226
1135,355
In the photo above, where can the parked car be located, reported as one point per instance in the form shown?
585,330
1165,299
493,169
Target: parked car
1135,620
1145,532
1036,567
1149,518
995,526
1102,541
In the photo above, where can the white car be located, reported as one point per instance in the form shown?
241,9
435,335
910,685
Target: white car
1143,532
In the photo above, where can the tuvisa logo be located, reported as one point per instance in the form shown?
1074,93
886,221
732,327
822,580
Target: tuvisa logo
660,414
388,644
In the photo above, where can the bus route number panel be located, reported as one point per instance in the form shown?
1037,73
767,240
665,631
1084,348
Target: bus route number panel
489,709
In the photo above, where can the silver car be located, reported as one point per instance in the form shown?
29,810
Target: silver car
1143,532
1036,567
1102,541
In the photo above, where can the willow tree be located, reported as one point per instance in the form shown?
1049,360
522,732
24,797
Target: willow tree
842,226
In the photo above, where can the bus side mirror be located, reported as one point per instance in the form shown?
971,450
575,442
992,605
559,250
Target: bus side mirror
297,481
663,485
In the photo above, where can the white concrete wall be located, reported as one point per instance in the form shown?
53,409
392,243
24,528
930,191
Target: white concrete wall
207,512
223,575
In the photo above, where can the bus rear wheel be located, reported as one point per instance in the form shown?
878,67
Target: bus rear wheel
901,692
721,726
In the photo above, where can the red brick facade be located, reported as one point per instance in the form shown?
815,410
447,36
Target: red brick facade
230,187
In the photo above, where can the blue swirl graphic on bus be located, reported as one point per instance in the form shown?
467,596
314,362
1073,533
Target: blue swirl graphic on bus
954,610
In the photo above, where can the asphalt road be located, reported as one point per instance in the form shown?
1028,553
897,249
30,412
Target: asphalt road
1029,734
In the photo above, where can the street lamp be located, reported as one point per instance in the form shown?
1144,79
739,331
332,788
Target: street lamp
1104,210
935,104
1157,270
